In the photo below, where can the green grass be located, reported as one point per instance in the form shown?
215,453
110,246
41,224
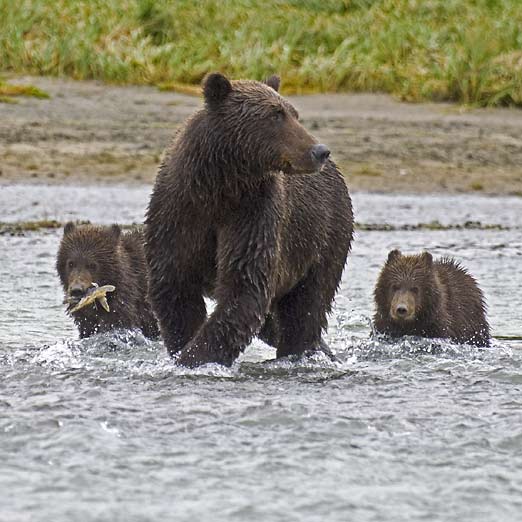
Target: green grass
433,225
468,51
477,186
8,92
15,229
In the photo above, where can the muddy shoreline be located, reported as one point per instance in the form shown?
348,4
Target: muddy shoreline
91,133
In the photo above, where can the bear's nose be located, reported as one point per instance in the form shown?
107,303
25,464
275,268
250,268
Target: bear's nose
76,290
402,310
320,152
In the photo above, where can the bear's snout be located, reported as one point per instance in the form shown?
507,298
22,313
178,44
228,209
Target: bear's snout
320,153
403,306
401,310
77,290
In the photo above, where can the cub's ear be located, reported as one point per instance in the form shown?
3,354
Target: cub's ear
427,258
116,231
215,89
69,228
274,81
393,255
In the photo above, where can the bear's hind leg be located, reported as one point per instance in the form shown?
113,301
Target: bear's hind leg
302,315
180,314
269,333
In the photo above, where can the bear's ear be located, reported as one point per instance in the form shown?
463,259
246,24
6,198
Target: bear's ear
215,89
69,228
274,81
393,255
116,232
427,259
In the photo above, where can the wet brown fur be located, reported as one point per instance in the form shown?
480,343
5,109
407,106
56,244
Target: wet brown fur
240,213
104,255
447,302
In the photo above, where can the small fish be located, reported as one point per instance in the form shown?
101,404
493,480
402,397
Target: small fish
98,293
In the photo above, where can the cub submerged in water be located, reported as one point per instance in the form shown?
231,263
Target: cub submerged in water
416,295
93,258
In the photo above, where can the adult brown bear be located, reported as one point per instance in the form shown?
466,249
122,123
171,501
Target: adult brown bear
416,295
248,209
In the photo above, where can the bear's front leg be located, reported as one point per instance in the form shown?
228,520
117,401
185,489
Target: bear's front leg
177,301
246,262
226,333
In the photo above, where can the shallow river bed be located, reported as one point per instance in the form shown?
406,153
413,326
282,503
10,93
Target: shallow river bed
110,429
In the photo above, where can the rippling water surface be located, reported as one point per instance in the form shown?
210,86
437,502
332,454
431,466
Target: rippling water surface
109,429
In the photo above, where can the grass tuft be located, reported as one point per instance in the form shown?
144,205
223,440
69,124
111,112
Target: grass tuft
477,186
183,88
7,99
8,91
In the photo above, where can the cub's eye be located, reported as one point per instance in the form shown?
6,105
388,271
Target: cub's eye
415,289
91,266
395,288
70,264
278,116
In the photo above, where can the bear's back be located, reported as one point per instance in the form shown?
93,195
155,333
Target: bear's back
464,302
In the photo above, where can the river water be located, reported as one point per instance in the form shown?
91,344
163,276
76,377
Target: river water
109,429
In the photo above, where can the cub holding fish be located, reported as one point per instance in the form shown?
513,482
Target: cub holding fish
104,276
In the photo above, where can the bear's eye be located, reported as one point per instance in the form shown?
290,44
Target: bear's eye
278,115
91,266
70,264
415,289
395,288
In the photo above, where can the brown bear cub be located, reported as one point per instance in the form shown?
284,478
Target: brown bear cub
437,299
103,255
248,209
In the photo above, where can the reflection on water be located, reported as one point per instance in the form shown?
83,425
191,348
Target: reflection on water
109,428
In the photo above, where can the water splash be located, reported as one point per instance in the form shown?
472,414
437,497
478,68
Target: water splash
378,347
